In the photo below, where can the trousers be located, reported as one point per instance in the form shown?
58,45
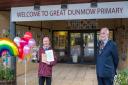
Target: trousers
42,80
105,81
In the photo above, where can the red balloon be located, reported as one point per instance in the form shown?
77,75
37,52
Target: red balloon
21,56
23,42
28,35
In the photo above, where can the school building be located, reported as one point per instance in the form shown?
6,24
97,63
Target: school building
72,24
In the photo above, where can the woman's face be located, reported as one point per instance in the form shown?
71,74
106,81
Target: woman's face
46,42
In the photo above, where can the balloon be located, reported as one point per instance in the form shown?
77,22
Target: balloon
17,40
26,50
31,42
20,52
24,45
28,35
9,46
23,42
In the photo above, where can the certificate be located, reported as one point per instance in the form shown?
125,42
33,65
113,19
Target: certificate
44,59
49,55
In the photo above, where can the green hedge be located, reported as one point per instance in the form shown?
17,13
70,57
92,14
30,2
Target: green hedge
122,77
6,73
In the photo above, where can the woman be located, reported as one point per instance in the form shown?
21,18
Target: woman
45,67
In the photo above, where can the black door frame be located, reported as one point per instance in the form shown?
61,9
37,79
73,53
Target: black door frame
81,31
82,50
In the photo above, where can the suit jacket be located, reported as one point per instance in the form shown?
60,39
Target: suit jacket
107,60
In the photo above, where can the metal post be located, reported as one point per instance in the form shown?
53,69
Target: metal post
12,31
13,34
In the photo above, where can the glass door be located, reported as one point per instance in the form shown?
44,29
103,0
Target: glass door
88,47
75,47
60,45
82,47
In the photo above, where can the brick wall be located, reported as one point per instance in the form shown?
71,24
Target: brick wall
121,36
4,22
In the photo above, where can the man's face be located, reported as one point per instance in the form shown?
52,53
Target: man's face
46,42
103,34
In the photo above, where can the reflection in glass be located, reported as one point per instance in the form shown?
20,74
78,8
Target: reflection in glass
88,44
75,44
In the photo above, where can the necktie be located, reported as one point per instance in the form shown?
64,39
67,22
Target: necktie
101,46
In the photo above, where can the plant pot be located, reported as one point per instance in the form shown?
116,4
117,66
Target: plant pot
7,82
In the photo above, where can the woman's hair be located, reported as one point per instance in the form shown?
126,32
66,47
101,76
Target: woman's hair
46,36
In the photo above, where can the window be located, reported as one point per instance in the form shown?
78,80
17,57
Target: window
60,39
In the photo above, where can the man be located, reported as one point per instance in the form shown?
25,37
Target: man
107,58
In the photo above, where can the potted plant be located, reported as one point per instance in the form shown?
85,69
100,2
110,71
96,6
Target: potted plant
6,76
121,78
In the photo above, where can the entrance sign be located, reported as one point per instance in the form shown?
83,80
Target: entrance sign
104,10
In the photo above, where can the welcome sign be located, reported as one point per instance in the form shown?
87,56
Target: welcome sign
74,11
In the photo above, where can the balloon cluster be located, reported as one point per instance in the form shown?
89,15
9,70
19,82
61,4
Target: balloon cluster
25,44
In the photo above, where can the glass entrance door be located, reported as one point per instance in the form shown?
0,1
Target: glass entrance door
82,47
75,47
88,47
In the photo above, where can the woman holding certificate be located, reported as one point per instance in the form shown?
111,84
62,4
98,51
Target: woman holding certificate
47,60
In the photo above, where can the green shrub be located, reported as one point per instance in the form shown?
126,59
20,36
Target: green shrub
122,77
6,73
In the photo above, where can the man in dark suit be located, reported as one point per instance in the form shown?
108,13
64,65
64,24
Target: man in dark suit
107,58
